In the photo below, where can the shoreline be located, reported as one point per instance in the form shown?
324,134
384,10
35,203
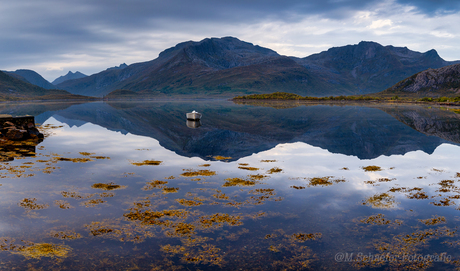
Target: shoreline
339,102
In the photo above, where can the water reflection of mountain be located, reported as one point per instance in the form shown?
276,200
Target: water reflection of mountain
240,130
430,121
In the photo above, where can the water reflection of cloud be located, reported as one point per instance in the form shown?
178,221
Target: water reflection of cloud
298,161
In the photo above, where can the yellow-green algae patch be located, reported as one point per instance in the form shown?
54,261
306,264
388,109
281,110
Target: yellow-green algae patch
435,220
323,181
31,204
63,204
37,251
189,203
75,195
147,163
74,160
268,161
372,168
149,217
302,237
218,157
218,220
99,157
381,201
117,230
274,170
257,177
238,182
378,219
248,168
399,247
86,153
65,235
92,202
203,172
107,186
154,184
167,190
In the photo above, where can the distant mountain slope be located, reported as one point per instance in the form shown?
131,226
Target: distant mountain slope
225,66
12,88
230,67
121,67
32,77
69,76
444,81
369,66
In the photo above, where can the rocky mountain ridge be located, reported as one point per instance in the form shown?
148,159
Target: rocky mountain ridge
12,88
228,67
32,77
369,66
69,76
431,82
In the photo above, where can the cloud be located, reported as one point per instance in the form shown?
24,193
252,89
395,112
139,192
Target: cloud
433,7
90,36
380,24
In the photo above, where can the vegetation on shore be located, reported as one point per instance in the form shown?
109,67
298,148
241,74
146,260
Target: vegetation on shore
290,96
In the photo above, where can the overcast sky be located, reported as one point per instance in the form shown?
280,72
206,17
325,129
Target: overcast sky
55,36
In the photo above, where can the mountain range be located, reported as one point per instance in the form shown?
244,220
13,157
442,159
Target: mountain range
32,77
69,76
12,88
227,67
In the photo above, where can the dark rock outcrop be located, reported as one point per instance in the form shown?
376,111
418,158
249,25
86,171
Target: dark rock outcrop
432,82
21,128
18,137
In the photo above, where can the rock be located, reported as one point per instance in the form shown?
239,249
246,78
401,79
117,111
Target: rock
19,128
8,124
15,134
34,133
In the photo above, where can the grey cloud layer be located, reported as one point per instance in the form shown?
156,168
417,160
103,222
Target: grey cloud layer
34,31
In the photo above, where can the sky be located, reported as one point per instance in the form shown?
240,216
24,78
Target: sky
53,37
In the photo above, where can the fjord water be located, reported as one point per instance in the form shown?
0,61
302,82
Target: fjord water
128,185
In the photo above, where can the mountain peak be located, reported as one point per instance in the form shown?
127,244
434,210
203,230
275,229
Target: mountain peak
32,77
121,67
69,76
433,54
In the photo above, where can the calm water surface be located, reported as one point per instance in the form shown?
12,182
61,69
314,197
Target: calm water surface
129,186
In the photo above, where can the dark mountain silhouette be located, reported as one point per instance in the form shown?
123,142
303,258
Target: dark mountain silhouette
32,77
69,76
212,66
121,67
369,67
12,88
444,81
230,67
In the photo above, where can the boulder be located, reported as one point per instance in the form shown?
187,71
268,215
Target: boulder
16,134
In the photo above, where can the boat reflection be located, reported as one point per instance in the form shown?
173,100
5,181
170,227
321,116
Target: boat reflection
193,124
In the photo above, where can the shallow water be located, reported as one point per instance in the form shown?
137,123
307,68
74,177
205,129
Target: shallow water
129,186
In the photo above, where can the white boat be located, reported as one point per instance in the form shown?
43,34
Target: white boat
194,115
